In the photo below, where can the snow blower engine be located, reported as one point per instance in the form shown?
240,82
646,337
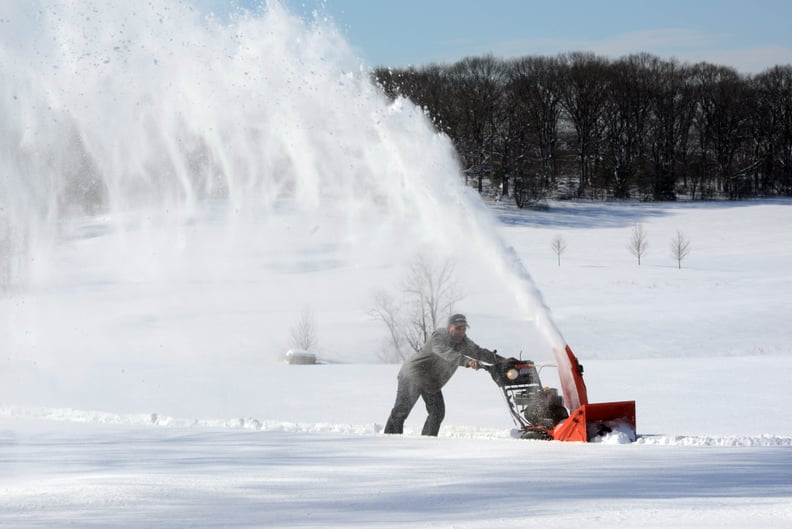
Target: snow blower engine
539,412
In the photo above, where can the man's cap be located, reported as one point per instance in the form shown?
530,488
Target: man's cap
458,319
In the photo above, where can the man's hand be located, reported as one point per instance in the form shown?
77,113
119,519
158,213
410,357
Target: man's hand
474,364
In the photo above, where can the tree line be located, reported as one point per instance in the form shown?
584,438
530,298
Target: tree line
579,125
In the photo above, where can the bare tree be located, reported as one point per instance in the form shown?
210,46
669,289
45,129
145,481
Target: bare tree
584,96
428,294
432,292
388,311
638,242
680,247
559,247
303,334
533,91
478,89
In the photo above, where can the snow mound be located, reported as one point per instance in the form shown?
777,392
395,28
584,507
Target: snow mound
726,441
619,434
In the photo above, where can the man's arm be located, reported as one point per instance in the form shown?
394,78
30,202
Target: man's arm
475,354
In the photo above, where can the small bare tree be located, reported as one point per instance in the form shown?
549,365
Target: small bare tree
428,295
388,311
431,292
303,334
559,247
638,242
680,247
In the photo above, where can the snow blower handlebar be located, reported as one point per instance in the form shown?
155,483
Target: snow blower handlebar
506,371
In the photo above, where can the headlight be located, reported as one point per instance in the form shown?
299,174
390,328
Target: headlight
512,374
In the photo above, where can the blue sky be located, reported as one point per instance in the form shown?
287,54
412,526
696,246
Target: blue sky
750,36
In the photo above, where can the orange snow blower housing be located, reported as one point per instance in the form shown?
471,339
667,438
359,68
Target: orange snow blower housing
540,412
587,421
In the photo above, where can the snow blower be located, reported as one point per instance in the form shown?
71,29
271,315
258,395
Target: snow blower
539,412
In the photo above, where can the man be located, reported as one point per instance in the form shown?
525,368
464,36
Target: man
426,372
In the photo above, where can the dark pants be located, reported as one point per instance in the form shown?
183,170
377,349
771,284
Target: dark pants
406,396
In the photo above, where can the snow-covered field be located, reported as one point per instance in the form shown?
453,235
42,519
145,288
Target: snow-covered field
164,230
703,350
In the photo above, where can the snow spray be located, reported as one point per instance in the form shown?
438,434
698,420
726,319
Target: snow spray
194,181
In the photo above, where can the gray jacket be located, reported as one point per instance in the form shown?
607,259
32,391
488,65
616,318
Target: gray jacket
431,367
